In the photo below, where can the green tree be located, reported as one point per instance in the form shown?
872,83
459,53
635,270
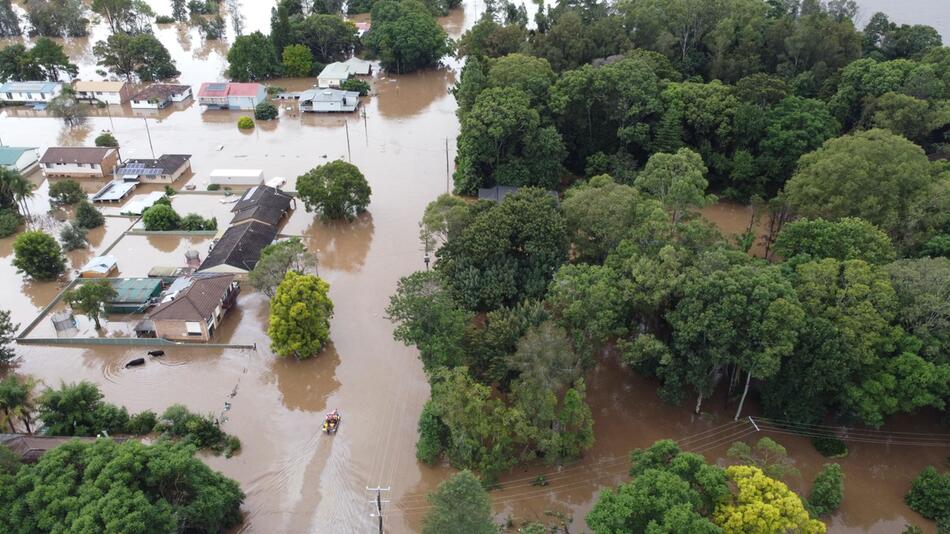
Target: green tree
795,126
329,37
78,410
17,64
58,18
106,139
544,358
472,81
426,316
245,123
406,36
89,299
875,175
180,10
73,237
532,75
10,221
503,143
827,491
252,58
140,56
300,312
9,20
17,402
914,118
67,107
762,504
38,255
677,180
599,214
7,336
923,302
443,219
488,39
161,218
459,505
335,190
277,260
672,491
509,252
590,302
51,59
355,85
87,216
138,488
66,192
297,61
929,495
126,16
265,111
849,238
768,455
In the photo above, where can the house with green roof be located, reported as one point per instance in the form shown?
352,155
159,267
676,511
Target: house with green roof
19,158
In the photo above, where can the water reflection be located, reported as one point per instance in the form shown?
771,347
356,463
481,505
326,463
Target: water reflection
74,135
306,385
401,95
341,245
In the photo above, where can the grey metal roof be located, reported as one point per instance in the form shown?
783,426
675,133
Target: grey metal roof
240,246
262,203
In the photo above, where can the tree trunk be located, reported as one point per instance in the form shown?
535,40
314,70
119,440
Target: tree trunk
26,422
699,402
748,378
95,319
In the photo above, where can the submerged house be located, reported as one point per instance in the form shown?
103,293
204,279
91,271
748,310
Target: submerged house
30,91
108,92
100,267
18,158
239,248
160,96
192,308
333,75
328,100
262,204
164,170
224,95
79,162
133,295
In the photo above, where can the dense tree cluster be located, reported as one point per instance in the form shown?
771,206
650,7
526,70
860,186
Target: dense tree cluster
750,86
406,36
320,30
46,60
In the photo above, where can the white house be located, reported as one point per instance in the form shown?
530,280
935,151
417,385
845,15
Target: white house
109,92
224,95
160,95
333,75
237,177
79,162
328,100
30,91
18,158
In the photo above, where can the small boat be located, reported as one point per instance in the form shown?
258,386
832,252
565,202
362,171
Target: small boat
135,363
156,353
332,422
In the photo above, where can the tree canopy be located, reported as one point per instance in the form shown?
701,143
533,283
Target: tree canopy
459,504
139,57
335,190
252,58
38,255
300,316
406,36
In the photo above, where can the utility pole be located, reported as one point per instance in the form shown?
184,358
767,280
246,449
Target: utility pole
147,132
446,165
349,154
378,501
365,127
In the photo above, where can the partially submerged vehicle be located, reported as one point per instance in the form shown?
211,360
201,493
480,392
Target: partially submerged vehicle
332,421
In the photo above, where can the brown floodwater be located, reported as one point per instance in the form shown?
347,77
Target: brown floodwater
296,478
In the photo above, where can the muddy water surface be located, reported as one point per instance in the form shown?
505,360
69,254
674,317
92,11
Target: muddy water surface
297,479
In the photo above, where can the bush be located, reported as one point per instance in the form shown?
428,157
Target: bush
830,447
107,139
164,19
828,490
432,435
274,89
66,192
38,255
265,111
203,431
87,216
161,218
196,223
354,84
170,191
245,123
214,187
929,495
142,423
73,237
164,201
9,222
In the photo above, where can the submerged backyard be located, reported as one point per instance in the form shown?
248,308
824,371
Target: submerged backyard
297,478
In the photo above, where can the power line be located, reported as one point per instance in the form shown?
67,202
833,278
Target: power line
851,430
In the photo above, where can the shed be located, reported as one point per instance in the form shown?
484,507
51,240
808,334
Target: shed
134,295
329,100
19,158
114,191
100,267
333,75
237,177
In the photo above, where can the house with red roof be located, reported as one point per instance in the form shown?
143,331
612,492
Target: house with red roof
225,95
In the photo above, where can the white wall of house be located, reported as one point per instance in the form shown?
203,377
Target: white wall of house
72,169
109,97
31,96
27,159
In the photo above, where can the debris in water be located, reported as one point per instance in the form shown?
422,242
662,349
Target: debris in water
136,362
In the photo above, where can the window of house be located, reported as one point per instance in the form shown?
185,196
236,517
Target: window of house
193,329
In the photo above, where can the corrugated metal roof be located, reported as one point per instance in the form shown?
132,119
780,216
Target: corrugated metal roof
98,86
335,71
29,87
9,155
76,154
198,301
136,290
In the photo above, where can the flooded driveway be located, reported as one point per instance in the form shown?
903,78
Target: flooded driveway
296,478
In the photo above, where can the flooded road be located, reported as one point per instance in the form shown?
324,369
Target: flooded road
296,478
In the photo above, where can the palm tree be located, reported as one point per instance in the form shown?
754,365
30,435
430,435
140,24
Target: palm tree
15,187
17,402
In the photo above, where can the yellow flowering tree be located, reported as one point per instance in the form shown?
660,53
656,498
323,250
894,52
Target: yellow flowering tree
300,316
763,505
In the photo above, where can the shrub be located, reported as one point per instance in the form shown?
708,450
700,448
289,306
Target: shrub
142,423
214,187
929,495
196,223
170,191
9,222
432,435
828,490
107,139
203,431
161,217
830,447
164,19
38,255
265,111
245,123
164,200
354,84
87,216
274,89
73,237
66,192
